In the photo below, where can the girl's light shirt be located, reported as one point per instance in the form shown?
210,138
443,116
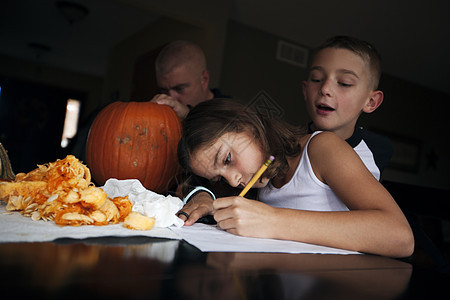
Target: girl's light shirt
304,191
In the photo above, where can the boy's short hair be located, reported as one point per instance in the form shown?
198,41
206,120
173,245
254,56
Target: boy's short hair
361,48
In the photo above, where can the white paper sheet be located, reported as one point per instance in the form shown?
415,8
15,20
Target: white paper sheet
16,228
210,238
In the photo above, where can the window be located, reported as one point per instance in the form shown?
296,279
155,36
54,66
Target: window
70,121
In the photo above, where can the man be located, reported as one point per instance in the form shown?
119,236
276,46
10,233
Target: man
183,77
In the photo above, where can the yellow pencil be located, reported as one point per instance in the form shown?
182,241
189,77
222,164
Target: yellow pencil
256,176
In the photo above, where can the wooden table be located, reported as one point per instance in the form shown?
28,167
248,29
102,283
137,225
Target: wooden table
149,268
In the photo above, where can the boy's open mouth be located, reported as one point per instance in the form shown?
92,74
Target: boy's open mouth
324,108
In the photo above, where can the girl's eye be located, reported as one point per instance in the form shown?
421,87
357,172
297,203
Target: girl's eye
345,84
227,160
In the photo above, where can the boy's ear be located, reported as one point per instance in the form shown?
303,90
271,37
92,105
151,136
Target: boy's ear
375,100
304,89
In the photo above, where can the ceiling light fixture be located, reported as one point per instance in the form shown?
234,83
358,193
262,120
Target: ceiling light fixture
39,49
72,12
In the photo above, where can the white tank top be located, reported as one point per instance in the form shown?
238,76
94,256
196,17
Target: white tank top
304,191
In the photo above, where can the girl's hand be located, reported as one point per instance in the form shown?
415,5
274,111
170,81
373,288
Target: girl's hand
245,217
199,206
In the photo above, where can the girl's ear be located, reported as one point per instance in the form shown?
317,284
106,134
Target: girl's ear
374,101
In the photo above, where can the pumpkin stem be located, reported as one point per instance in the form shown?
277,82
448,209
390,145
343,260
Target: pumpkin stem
6,171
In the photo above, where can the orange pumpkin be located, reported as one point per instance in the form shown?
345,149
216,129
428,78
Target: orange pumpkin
135,140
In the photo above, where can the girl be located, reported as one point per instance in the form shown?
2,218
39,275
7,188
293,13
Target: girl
316,191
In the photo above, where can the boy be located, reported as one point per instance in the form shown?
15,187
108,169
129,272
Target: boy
342,83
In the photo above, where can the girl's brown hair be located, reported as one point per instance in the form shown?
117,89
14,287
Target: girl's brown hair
211,119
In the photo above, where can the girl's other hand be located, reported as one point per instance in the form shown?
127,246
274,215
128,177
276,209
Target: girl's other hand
199,206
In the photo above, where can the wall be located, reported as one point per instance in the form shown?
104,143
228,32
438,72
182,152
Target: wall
123,57
210,16
92,86
249,67
203,22
411,115
33,106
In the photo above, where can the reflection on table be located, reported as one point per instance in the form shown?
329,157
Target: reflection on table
141,267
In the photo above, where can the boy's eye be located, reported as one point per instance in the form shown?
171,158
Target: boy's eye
315,77
344,84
